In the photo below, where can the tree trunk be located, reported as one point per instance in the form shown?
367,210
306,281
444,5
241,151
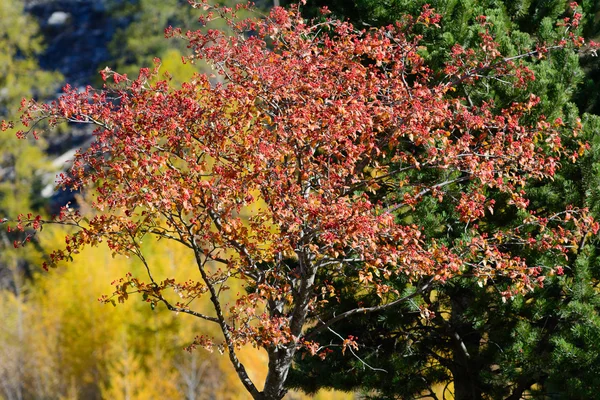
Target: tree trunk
466,341
282,356
280,361
465,384
521,387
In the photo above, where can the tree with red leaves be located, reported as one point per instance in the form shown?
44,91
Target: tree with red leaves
312,125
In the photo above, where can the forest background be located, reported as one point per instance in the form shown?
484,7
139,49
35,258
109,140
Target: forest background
58,341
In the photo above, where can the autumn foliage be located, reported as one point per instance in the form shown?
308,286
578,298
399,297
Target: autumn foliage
278,171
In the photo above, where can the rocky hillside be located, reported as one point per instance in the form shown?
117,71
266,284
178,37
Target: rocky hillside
77,33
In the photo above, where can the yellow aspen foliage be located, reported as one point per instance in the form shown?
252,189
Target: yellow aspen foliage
129,378
57,341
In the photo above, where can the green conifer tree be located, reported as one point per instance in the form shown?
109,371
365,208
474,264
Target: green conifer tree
475,345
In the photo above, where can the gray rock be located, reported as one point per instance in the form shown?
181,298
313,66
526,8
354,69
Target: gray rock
58,18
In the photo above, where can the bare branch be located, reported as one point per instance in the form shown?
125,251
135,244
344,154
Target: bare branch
188,311
356,355
367,310
239,367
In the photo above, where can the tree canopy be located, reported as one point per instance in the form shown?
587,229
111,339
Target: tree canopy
302,170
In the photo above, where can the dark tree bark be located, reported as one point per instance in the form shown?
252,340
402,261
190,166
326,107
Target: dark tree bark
465,342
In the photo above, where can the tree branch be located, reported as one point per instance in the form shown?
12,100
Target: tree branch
356,355
367,310
239,367
427,190
159,296
187,311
